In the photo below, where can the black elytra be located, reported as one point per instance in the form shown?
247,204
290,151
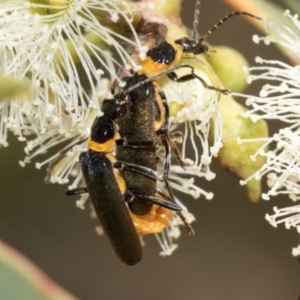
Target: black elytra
138,124
110,206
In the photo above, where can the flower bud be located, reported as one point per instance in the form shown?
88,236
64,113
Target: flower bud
229,64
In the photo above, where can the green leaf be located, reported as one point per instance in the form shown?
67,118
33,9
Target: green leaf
20,279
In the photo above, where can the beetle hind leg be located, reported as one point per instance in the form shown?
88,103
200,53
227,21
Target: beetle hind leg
77,191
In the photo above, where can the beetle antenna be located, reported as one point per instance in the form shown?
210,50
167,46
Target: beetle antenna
226,18
196,20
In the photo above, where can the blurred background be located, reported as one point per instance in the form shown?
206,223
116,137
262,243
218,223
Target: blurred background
235,254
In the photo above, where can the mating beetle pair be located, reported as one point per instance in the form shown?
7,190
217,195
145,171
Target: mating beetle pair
149,208
142,117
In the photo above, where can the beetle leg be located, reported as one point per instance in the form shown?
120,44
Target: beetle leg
168,204
138,169
189,228
164,136
77,191
173,76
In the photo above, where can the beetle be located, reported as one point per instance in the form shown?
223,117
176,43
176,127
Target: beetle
143,122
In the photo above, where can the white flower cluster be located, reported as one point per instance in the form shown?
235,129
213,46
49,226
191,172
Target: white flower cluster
279,100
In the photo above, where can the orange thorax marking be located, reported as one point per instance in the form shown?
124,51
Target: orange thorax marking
106,147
